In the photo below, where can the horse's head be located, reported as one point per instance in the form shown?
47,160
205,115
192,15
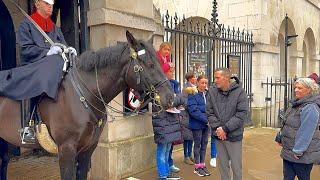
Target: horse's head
145,75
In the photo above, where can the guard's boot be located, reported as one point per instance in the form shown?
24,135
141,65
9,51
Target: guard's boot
28,134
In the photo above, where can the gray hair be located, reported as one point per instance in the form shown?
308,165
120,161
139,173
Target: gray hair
310,84
225,72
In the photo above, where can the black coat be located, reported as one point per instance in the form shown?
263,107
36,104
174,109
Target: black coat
33,46
40,73
228,109
32,80
184,120
166,127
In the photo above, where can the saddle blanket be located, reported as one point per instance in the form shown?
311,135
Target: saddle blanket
34,79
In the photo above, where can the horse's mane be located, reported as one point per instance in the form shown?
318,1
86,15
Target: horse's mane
101,58
105,56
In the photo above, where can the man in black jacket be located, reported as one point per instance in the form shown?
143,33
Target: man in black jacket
227,108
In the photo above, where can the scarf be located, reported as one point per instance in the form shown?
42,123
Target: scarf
45,24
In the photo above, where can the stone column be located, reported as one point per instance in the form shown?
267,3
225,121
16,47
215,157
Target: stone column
126,145
295,64
315,59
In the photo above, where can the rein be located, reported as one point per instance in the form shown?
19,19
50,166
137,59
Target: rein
150,91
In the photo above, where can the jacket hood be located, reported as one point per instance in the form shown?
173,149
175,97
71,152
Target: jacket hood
308,99
234,84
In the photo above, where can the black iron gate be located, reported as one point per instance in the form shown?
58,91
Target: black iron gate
275,101
201,46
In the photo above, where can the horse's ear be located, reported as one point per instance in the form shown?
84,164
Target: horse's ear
131,40
150,40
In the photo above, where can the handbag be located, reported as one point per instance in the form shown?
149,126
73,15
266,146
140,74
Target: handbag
278,137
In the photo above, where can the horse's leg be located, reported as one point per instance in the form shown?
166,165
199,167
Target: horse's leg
84,163
4,159
67,161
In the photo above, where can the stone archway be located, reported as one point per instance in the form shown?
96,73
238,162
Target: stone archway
309,65
292,50
189,51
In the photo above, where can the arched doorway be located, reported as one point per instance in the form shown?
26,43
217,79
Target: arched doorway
309,51
7,39
7,50
292,50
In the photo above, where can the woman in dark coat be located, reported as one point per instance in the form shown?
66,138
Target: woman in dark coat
300,134
166,129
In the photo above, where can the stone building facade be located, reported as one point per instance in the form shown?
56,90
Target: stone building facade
126,145
266,20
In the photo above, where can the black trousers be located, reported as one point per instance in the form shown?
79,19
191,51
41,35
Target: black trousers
292,169
200,138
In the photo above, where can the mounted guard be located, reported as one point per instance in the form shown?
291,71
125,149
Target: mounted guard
41,46
74,111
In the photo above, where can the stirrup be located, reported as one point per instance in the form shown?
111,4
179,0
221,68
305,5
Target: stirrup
28,134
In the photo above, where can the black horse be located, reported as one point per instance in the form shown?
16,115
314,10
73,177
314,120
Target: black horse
75,121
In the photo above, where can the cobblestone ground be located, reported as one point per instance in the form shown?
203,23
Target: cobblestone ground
34,168
261,161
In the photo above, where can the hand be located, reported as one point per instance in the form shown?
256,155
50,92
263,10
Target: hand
280,144
221,134
72,51
296,157
54,50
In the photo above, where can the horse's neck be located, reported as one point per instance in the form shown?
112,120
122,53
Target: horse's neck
108,81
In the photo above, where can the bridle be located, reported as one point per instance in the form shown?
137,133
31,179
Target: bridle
149,90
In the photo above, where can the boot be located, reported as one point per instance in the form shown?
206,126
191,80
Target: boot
187,160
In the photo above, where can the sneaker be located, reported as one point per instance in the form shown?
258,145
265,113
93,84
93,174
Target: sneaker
213,162
173,177
199,172
205,170
162,178
187,160
174,169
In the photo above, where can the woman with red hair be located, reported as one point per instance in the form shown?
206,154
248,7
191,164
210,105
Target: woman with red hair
164,54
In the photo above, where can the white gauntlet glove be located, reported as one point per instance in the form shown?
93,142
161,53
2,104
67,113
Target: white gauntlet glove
72,51
54,50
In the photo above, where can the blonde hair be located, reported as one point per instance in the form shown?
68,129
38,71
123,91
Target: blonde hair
310,84
165,44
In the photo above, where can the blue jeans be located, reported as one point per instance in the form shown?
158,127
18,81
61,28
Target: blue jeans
162,159
187,148
213,147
